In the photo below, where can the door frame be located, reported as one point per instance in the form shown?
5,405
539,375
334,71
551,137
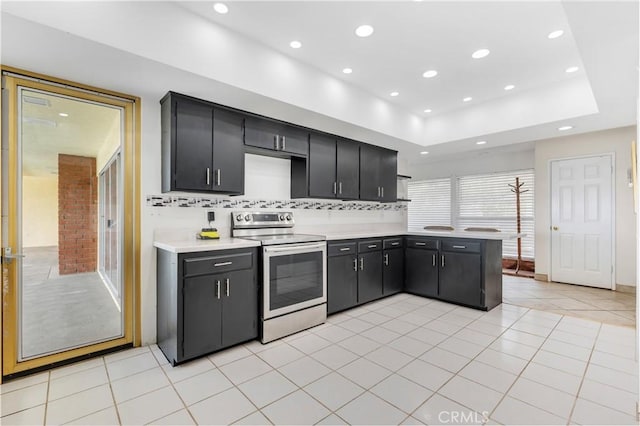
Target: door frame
131,105
612,156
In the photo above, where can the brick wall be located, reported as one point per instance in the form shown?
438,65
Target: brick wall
77,214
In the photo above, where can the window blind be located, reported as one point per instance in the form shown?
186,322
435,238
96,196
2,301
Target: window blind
487,201
430,203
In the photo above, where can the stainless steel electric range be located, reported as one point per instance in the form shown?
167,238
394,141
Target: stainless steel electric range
294,272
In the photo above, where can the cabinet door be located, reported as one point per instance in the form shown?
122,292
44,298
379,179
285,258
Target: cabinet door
461,278
421,272
239,292
389,175
342,283
322,166
369,173
261,133
369,276
193,145
393,271
201,324
228,152
294,140
348,169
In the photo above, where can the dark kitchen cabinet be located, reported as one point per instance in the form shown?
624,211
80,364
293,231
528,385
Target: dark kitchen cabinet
369,276
378,174
276,137
421,266
342,282
393,266
460,277
202,146
206,301
331,171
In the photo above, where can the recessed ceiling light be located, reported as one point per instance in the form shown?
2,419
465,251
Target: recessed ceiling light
295,44
394,94
563,128
424,152
63,114
481,142
221,8
430,74
347,70
428,110
467,99
572,69
555,34
480,53
364,30
509,87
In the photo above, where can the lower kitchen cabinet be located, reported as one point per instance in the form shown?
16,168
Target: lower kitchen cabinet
342,282
206,301
392,266
369,276
421,266
460,278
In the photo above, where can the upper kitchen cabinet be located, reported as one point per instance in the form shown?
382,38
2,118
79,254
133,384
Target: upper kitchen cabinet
276,137
332,169
202,146
378,170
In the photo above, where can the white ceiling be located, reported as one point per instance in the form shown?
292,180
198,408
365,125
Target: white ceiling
245,54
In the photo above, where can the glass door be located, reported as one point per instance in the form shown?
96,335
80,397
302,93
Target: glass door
63,244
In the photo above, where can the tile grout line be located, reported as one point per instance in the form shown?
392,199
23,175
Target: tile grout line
46,401
113,397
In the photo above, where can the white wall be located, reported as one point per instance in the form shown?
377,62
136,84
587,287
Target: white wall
39,211
617,141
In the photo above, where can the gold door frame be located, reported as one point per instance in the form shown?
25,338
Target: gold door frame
12,79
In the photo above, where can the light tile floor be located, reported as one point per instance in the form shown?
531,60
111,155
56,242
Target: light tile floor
612,307
400,360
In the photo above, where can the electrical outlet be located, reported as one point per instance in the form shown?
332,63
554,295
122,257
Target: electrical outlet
211,216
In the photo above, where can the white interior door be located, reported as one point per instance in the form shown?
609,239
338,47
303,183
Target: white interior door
582,221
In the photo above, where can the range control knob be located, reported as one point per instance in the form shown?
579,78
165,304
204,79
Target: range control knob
247,218
288,217
239,217
281,217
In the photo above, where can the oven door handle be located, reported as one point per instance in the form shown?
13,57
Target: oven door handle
295,248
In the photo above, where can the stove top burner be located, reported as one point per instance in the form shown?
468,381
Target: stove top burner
269,240
268,227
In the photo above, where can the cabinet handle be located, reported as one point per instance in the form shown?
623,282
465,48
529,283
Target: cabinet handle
460,247
386,259
355,264
226,282
340,188
208,176
275,142
421,244
218,183
433,260
284,143
218,289
382,191
372,246
345,249
443,260
362,263
378,191
395,244
335,188
222,264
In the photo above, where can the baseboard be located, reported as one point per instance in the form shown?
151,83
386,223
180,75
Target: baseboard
541,277
626,288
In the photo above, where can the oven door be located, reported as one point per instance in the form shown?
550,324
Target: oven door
295,277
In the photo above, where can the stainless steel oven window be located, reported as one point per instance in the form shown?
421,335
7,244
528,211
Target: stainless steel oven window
295,278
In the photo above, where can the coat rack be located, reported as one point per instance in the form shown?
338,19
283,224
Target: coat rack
517,189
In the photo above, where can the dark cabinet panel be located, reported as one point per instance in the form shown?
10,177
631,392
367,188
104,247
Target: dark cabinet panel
369,276
202,146
193,145
239,307
388,176
393,271
348,169
369,173
228,152
201,325
342,283
421,271
276,136
461,278
322,167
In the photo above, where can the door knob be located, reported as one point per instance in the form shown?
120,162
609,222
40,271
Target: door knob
555,228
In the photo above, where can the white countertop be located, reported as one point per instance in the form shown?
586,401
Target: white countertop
362,234
195,245
468,234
